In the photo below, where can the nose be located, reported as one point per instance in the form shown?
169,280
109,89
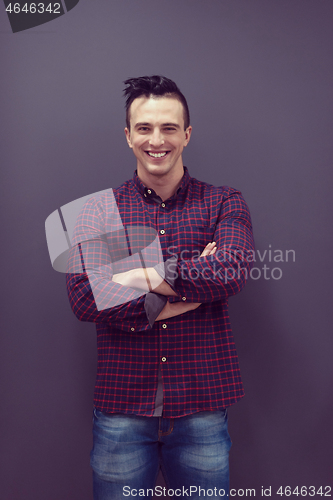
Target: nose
156,138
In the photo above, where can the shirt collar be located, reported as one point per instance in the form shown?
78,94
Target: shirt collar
143,190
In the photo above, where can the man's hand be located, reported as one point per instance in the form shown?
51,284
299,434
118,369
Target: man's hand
209,249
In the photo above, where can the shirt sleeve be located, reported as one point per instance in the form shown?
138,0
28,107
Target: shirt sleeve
167,270
93,296
155,302
215,277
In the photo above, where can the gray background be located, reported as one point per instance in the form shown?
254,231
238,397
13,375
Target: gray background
258,78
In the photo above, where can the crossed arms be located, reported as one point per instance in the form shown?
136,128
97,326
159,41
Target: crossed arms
149,279
104,292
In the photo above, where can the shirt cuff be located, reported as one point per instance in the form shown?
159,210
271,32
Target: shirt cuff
154,303
168,271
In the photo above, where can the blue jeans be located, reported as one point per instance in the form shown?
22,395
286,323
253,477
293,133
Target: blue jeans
193,452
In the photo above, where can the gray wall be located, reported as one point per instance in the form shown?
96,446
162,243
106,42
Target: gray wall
258,78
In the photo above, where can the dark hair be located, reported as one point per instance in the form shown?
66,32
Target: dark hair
151,86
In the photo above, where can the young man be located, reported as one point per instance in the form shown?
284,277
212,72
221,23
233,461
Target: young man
160,256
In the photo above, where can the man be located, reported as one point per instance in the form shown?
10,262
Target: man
160,256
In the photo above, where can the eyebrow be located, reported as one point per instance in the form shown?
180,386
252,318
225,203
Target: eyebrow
171,125
145,124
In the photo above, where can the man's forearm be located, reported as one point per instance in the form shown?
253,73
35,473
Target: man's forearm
172,309
145,279
149,280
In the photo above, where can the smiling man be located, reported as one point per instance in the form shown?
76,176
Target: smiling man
167,363
157,134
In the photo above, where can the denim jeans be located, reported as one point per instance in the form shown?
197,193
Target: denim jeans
193,452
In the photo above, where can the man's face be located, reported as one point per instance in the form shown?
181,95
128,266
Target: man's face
157,136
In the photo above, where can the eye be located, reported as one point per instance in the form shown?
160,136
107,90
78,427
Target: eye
143,129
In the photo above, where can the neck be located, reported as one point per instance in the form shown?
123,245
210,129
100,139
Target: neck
163,185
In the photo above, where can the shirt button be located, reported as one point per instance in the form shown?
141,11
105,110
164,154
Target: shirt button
184,298
163,359
148,191
162,231
164,325
163,205
132,329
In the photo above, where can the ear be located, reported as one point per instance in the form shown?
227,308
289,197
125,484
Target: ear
128,137
188,132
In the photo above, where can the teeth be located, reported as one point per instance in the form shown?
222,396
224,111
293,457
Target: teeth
156,155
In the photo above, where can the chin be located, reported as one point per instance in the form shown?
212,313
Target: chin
158,169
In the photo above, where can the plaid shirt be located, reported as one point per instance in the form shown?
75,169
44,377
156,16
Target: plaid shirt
195,351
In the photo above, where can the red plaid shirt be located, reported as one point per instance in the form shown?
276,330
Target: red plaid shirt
195,350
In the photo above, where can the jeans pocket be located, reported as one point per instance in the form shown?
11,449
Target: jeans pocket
96,414
225,413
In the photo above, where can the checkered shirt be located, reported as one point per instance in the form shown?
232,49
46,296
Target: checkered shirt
195,351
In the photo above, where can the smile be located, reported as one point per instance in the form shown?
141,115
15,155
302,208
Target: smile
157,155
